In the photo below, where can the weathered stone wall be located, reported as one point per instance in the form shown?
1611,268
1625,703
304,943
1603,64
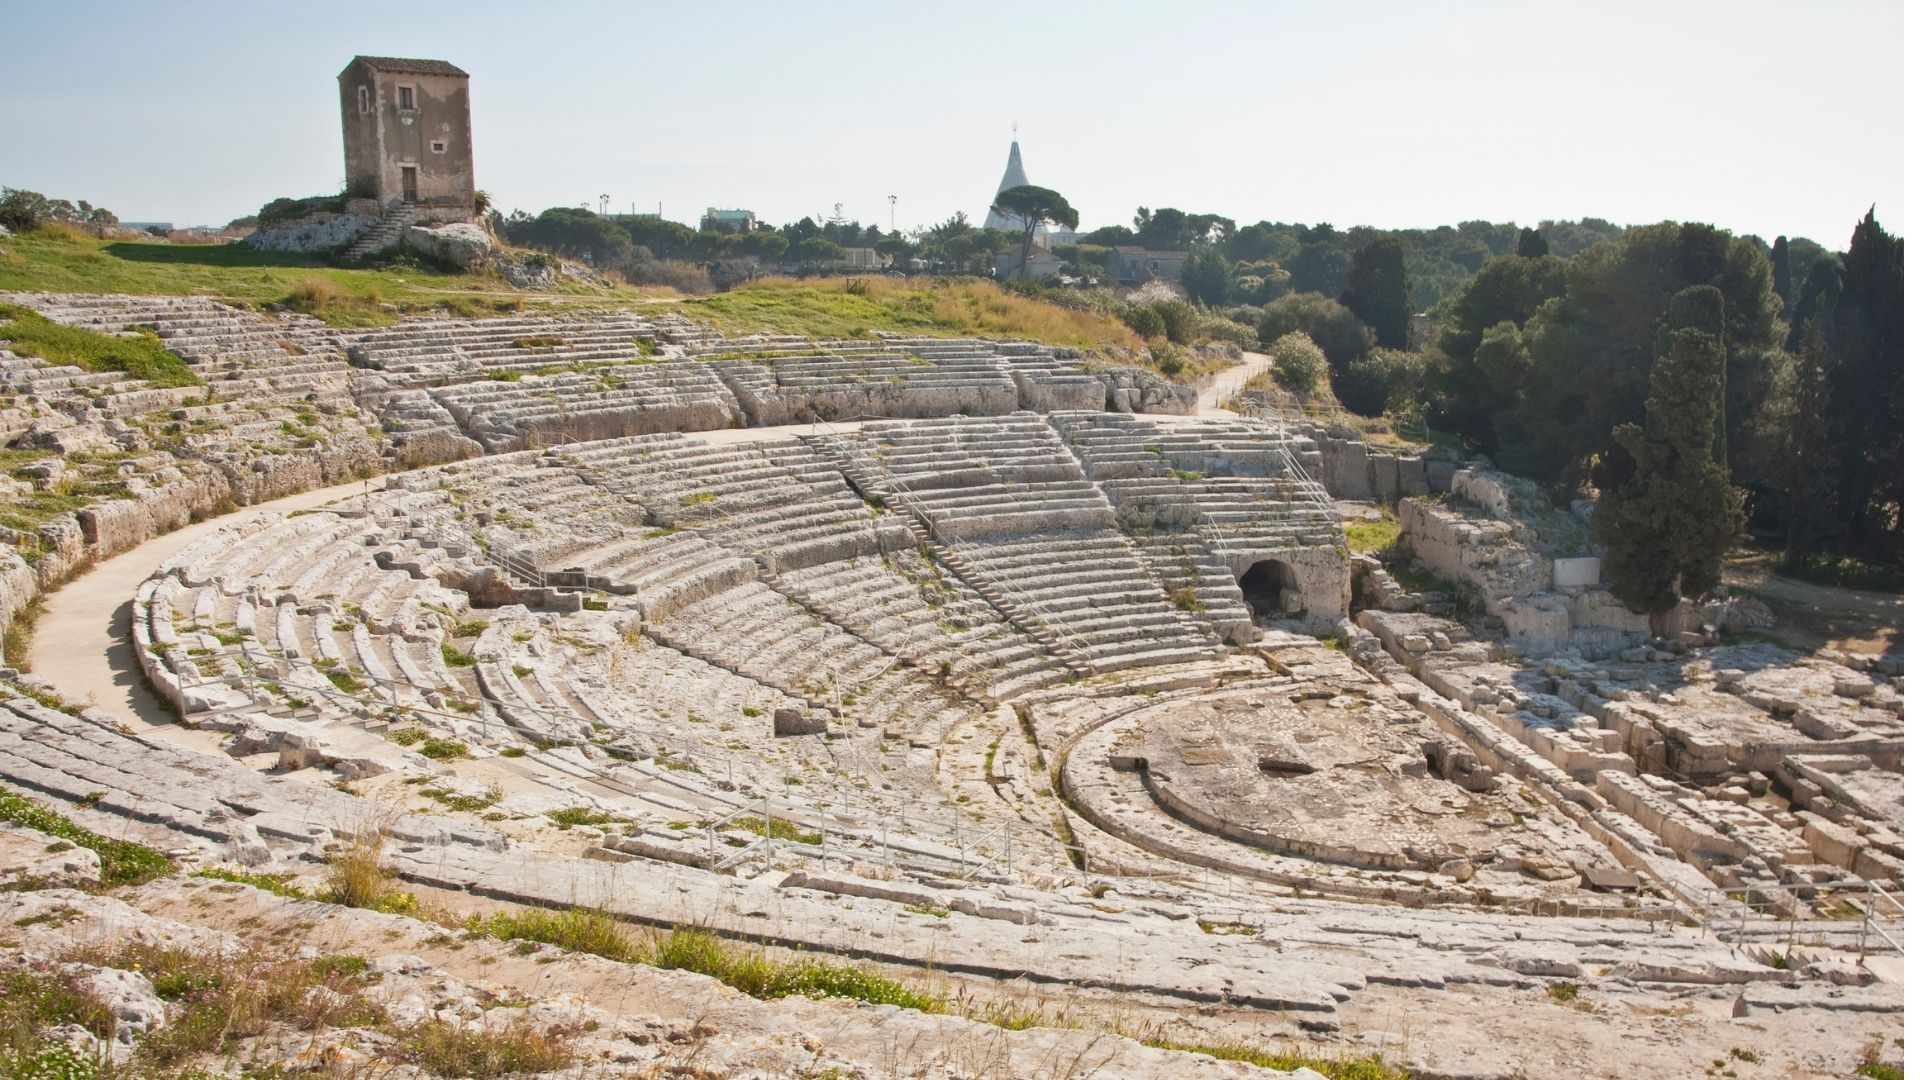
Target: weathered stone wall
310,235
1354,469
1477,542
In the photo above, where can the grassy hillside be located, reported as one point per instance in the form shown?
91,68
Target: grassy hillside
58,260
831,307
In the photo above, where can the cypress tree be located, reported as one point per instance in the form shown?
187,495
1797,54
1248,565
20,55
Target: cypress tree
1867,349
1782,273
1808,446
1532,245
1669,526
1377,291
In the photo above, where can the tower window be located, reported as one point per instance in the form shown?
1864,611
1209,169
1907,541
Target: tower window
439,147
405,98
365,101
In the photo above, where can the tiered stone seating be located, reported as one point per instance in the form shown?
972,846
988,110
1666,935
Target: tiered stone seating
776,501
304,611
1205,501
924,380
430,352
238,353
1048,380
33,387
575,406
913,607
1028,528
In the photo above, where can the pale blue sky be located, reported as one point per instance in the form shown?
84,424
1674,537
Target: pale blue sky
1760,117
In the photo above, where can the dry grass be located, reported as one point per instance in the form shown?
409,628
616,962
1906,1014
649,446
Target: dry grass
357,878
448,1048
834,307
222,998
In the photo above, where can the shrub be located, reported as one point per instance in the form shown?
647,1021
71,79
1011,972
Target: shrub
1222,328
1181,320
1146,322
280,210
1382,381
1300,368
1339,332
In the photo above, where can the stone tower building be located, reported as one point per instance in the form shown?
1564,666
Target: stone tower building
408,135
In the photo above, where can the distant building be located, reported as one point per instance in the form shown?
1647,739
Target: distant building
1042,264
728,221
1137,265
861,258
408,134
1015,176
1419,330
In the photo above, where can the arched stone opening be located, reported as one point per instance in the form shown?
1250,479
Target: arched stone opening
1271,590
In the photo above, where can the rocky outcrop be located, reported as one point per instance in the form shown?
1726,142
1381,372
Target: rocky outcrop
310,235
463,245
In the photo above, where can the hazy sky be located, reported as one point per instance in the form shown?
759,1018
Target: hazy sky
1757,116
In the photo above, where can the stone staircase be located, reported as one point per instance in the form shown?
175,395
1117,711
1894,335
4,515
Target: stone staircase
384,234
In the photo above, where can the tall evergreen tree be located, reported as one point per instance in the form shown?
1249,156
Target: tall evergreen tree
1207,277
1808,467
1818,294
1532,244
1669,526
1867,377
1377,291
1782,273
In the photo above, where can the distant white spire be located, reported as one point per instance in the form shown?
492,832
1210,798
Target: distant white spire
1016,176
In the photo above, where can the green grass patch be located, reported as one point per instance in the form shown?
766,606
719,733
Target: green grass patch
344,682
454,657
576,930
568,817
1416,577
773,828
1367,1067
277,884
122,862
1844,573
17,640
756,972
442,749
33,1005
1366,536
60,261
140,356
